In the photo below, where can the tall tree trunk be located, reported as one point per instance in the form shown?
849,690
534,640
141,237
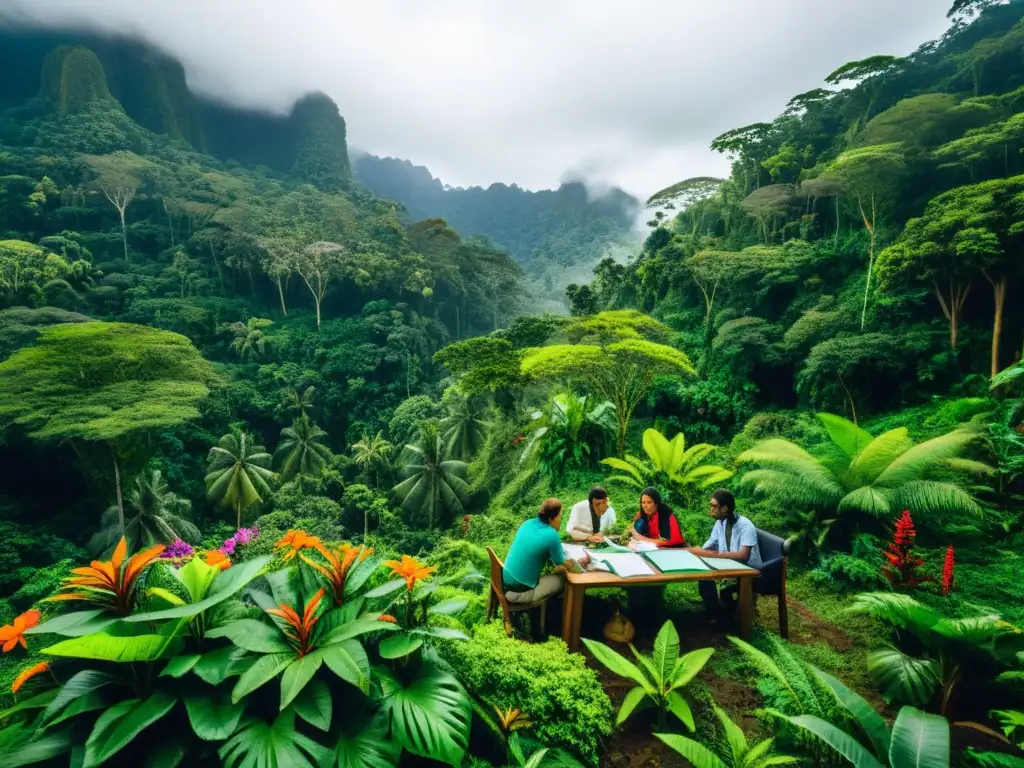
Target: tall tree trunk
216,264
124,235
280,292
952,307
317,302
117,484
870,226
999,294
238,514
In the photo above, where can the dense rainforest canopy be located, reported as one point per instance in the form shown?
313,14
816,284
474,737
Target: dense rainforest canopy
263,409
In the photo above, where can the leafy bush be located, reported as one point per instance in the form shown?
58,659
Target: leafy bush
562,697
847,573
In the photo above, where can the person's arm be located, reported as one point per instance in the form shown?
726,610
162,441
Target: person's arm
742,556
675,535
710,548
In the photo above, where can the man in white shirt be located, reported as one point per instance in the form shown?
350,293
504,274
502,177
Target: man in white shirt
592,518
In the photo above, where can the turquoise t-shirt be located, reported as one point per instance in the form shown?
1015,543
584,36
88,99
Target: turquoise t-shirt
535,543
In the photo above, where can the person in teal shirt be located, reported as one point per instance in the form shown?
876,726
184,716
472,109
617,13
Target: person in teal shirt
536,543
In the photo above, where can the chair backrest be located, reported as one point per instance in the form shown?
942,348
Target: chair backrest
497,582
771,546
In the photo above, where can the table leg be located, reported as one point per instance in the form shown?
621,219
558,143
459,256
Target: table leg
746,607
576,616
567,600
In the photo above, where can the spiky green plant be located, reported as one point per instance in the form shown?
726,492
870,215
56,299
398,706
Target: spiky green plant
238,474
740,753
669,461
860,475
434,485
303,451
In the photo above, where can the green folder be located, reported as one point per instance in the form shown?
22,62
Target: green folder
676,561
725,564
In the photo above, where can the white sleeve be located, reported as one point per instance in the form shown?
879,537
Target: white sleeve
579,527
608,519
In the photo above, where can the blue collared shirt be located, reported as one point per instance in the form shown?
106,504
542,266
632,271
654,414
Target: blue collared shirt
744,534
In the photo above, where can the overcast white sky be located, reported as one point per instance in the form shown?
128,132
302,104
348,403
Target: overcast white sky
627,92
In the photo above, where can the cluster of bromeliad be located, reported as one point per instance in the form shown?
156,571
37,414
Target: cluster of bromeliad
903,566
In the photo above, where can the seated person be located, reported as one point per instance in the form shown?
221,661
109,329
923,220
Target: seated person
536,542
656,523
590,519
733,537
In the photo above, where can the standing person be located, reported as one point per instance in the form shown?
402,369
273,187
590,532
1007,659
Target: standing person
591,519
656,523
536,543
733,537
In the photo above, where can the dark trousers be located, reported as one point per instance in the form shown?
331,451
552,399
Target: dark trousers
716,603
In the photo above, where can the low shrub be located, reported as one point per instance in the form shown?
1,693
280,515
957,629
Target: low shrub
560,695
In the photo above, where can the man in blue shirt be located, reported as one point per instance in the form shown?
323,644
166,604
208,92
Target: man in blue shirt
733,537
537,541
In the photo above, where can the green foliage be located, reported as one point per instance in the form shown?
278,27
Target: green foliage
302,451
561,695
434,487
659,676
740,754
572,431
238,474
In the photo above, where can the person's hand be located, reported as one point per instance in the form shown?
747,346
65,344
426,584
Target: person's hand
597,538
585,560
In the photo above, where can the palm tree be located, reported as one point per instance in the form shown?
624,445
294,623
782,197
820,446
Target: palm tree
464,426
740,753
250,341
299,403
373,453
238,473
158,517
859,474
433,484
302,450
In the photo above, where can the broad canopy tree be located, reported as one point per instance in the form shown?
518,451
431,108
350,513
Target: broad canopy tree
103,382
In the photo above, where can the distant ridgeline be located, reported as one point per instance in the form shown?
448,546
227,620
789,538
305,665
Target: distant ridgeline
557,235
76,71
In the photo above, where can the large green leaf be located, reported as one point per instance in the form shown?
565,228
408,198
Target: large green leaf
116,727
872,722
677,706
212,715
630,703
252,635
386,589
167,754
104,646
919,740
75,624
263,671
850,438
180,666
904,678
39,701
347,661
197,577
88,702
666,654
214,667
430,714
78,685
20,746
361,626
840,741
224,586
448,607
315,705
689,665
364,743
397,646
620,665
258,744
297,675
698,754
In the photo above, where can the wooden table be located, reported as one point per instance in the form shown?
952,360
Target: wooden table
576,585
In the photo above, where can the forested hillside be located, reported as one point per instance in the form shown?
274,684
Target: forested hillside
265,424
557,236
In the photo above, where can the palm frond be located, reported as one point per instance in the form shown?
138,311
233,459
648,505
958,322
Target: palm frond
917,462
787,489
850,438
903,678
866,499
789,458
931,497
879,454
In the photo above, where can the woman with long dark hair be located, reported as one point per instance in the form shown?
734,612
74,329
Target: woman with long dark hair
656,523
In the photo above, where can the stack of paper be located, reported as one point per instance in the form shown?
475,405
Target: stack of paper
622,564
676,561
725,564
573,551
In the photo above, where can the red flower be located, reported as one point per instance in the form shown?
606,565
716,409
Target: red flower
903,563
947,571
518,440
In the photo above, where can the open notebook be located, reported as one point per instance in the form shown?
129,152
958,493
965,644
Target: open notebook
676,561
724,564
624,564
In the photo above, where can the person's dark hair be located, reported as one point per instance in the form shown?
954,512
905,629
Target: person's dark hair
549,510
725,499
597,492
664,510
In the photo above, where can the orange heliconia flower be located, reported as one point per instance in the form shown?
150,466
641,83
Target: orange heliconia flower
338,565
293,541
217,559
111,583
14,634
388,618
19,681
302,625
410,569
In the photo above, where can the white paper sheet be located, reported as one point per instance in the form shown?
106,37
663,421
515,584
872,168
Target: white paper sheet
573,551
625,564
643,546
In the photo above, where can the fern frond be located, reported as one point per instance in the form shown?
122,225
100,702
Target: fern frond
917,462
866,499
879,454
935,498
788,489
899,610
850,438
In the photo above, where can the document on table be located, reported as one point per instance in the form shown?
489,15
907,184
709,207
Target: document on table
573,551
644,546
724,564
622,564
676,561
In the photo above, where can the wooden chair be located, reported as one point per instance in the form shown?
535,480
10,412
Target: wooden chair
772,582
496,596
